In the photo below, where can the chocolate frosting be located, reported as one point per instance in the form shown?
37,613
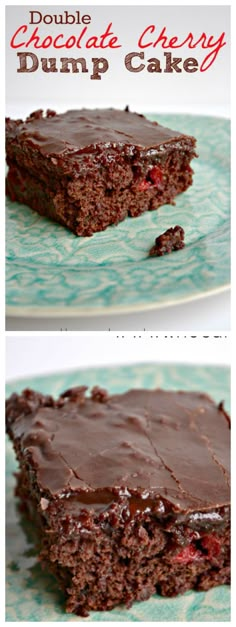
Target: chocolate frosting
145,443
76,132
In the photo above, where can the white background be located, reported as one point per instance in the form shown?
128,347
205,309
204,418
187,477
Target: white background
143,91
28,356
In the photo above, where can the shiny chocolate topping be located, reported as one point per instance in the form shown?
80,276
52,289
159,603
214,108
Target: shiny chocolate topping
85,130
172,447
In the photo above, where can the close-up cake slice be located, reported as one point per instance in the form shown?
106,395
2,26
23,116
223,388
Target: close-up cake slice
129,494
89,169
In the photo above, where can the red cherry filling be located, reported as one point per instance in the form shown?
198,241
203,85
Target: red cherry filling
154,178
155,175
210,546
188,554
144,185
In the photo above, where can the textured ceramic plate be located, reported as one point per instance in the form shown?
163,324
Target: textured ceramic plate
32,595
51,272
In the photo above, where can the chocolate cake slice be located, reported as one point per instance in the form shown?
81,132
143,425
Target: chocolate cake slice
89,169
129,493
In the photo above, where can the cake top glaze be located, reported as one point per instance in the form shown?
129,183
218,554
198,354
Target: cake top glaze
170,446
84,130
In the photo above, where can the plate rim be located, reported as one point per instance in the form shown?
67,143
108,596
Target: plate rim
51,312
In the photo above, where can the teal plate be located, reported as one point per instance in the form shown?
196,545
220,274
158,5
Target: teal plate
32,595
50,272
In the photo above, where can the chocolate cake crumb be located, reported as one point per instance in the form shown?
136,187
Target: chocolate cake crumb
172,239
99,394
76,394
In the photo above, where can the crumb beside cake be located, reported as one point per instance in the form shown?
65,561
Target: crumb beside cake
172,239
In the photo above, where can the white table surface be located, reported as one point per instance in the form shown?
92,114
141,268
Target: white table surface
29,355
